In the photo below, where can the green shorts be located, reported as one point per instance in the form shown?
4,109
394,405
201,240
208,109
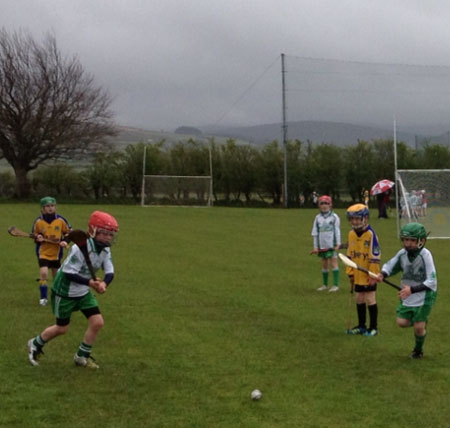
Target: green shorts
414,313
328,254
64,306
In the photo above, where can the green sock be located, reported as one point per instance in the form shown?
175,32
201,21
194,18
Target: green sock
419,342
336,277
39,342
325,277
84,350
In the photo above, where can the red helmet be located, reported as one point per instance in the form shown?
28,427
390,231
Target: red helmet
100,220
326,199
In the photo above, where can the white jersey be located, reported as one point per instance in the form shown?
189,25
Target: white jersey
326,231
416,271
76,264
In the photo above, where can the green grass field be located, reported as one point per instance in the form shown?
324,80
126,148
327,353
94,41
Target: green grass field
207,305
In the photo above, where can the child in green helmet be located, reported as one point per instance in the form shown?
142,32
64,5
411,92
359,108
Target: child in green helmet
49,229
419,284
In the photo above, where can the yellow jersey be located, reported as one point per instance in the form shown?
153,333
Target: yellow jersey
53,227
364,250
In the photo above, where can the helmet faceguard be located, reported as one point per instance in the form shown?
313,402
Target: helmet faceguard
103,227
358,211
415,231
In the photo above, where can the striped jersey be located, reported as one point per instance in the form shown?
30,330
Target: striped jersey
364,250
416,271
53,228
76,264
326,231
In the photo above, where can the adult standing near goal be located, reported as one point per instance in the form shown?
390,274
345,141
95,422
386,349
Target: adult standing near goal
419,283
364,250
326,233
71,289
48,227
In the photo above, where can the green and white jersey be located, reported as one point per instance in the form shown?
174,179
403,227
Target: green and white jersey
416,271
75,264
326,231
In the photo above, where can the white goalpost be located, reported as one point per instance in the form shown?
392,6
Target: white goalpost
181,190
424,197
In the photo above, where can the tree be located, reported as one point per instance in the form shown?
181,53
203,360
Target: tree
104,174
272,171
360,173
327,169
131,167
436,157
49,106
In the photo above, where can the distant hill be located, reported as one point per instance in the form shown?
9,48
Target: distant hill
342,134
128,135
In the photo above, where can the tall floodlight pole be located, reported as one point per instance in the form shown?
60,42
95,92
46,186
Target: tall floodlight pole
397,202
210,199
143,176
284,129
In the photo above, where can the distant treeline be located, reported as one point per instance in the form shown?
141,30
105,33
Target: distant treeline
242,174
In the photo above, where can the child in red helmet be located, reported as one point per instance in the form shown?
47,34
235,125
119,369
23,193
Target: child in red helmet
71,289
326,233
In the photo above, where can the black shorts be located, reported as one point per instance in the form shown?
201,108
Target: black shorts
86,312
365,288
53,264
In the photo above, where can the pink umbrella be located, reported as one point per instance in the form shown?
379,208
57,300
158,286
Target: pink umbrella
381,187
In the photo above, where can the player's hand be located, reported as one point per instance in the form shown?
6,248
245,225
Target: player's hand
101,288
380,277
315,251
63,244
404,292
39,238
94,283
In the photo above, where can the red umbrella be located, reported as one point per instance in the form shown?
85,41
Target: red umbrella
381,187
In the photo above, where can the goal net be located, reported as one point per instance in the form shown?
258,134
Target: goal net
176,190
424,197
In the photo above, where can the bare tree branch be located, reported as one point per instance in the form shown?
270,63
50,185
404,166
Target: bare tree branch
50,107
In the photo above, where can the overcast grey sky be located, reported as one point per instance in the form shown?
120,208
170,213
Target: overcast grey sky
177,62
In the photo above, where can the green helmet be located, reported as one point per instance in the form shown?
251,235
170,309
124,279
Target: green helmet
413,230
47,200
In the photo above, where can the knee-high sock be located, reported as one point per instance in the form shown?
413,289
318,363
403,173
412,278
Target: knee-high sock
419,342
43,288
361,310
336,277
373,314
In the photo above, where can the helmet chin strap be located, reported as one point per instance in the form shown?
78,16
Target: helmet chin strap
415,251
94,231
